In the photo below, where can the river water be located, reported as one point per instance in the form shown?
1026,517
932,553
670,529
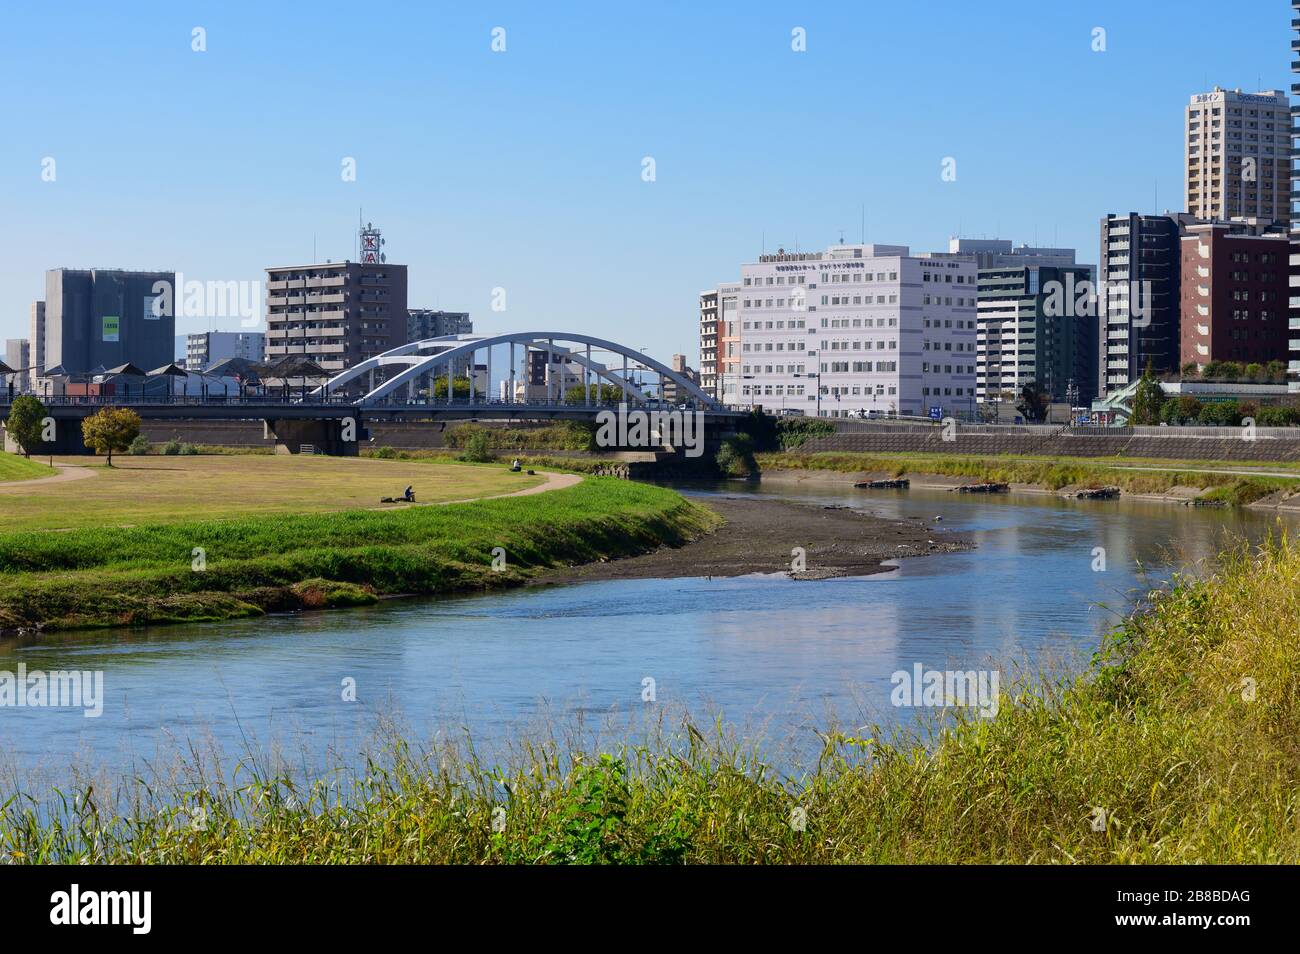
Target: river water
775,658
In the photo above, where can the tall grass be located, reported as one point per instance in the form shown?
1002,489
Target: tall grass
1178,745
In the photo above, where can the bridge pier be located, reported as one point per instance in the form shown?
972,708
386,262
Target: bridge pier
338,438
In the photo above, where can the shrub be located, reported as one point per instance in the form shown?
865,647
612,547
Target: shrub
140,446
736,456
1277,416
476,449
795,431
384,453
189,450
1220,414
172,447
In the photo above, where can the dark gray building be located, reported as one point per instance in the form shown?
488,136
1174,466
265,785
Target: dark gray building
101,318
424,323
1029,333
1139,296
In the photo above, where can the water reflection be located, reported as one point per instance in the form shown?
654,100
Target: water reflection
762,651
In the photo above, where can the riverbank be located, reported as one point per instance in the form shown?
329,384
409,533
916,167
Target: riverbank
1177,746
250,565
759,535
1176,483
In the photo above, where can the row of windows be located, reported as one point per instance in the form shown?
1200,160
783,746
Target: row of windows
948,346
859,323
780,325
774,346
891,345
859,367
859,299
779,280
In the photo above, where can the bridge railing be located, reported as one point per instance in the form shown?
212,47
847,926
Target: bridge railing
337,400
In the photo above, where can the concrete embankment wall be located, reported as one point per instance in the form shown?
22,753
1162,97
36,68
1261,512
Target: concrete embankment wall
1198,443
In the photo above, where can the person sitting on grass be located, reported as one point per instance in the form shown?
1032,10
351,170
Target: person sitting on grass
515,466
409,494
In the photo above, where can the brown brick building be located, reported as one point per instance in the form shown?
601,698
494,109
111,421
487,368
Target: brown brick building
1234,293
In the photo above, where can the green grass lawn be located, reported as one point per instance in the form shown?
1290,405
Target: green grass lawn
17,467
103,575
155,489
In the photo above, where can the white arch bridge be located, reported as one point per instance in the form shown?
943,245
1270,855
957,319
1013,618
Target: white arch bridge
404,375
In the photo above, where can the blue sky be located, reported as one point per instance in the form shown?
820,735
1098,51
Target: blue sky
522,169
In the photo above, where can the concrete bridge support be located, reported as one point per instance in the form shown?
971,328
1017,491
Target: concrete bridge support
67,440
338,438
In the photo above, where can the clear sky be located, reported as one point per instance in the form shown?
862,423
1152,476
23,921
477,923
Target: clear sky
523,169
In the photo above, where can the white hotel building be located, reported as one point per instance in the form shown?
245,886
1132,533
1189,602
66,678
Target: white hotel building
870,329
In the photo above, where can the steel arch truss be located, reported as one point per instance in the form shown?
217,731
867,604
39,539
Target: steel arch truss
434,356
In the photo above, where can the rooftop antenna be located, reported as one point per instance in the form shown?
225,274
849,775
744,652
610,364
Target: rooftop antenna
864,223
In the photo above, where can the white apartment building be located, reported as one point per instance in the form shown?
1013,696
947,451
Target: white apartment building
1237,154
859,330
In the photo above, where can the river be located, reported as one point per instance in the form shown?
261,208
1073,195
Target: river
777,658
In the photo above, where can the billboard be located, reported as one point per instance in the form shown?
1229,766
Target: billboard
111,324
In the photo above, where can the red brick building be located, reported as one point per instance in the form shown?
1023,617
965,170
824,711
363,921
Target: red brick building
1234,294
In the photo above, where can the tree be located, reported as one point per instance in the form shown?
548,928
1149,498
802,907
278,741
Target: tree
112,429
1191,371
1147,399
600,394
24,422
459,387
1033,403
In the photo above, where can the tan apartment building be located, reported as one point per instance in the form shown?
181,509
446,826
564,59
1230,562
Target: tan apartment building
1237,155
336,314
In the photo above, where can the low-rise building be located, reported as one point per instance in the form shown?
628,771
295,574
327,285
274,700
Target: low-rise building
207,347
858,330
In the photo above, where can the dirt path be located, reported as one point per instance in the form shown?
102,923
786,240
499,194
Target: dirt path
552,482
760,534
66,472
